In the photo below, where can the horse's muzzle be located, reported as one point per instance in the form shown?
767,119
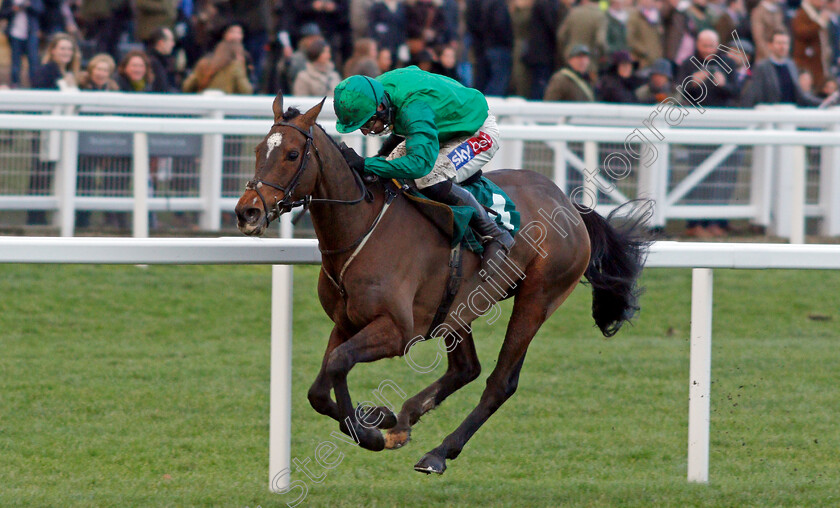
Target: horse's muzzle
250,219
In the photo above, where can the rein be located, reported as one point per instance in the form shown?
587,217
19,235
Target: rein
286,204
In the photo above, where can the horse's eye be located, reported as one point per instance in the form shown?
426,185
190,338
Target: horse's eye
292,156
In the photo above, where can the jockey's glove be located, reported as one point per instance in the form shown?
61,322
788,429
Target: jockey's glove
354,160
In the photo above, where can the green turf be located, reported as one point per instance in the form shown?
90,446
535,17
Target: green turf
125,386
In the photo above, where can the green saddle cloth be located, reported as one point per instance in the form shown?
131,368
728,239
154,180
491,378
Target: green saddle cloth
458,224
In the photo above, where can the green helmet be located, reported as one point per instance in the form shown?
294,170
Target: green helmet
355,102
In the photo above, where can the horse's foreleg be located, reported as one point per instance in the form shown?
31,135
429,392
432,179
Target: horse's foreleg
319,392
463,368
379,339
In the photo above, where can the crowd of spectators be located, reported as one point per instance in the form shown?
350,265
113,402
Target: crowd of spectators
751,51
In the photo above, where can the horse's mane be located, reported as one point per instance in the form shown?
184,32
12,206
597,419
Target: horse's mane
293,112
290,113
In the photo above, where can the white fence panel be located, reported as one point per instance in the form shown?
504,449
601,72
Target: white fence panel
771,182
787,190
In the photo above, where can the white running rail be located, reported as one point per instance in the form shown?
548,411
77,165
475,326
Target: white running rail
775,179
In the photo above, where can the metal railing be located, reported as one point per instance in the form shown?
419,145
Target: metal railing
719,163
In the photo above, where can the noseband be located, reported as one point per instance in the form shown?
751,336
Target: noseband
286,204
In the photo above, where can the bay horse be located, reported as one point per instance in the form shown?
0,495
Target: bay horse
385,265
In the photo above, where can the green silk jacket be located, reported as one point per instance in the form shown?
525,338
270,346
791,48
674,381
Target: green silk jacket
430,109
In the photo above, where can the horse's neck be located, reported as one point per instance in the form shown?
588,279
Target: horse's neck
339,225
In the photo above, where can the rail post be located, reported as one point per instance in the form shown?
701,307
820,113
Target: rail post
140,168
761,180
68,166
797,194
830,186
210,184
280,411
782,214
700,375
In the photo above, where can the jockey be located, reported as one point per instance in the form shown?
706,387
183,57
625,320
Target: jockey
441,134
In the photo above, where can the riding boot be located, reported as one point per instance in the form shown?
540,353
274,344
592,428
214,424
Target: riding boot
493,237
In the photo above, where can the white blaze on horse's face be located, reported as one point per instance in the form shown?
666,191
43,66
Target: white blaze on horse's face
273,142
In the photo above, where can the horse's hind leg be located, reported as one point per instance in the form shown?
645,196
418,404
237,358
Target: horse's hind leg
463,368
500,386
530,310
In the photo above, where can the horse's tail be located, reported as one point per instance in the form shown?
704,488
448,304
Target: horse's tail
618,250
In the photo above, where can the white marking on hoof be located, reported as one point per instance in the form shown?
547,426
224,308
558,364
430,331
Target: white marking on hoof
394,440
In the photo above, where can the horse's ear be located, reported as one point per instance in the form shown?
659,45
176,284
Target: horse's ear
277,107
310,116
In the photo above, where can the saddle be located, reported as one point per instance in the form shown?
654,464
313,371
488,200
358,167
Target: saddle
442,216
454,221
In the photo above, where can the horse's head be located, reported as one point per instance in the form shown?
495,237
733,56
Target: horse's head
285,169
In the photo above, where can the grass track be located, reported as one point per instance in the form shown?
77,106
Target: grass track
122,386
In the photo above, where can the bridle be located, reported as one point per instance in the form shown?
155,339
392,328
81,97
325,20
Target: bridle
286,204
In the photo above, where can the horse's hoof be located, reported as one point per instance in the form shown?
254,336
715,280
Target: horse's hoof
369,439
396,439
373,441
431,464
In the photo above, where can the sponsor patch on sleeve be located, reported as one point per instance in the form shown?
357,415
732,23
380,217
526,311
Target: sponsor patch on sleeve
467,150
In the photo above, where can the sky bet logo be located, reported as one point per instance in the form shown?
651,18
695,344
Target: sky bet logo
467,150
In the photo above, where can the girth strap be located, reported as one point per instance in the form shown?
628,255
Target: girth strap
453,284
